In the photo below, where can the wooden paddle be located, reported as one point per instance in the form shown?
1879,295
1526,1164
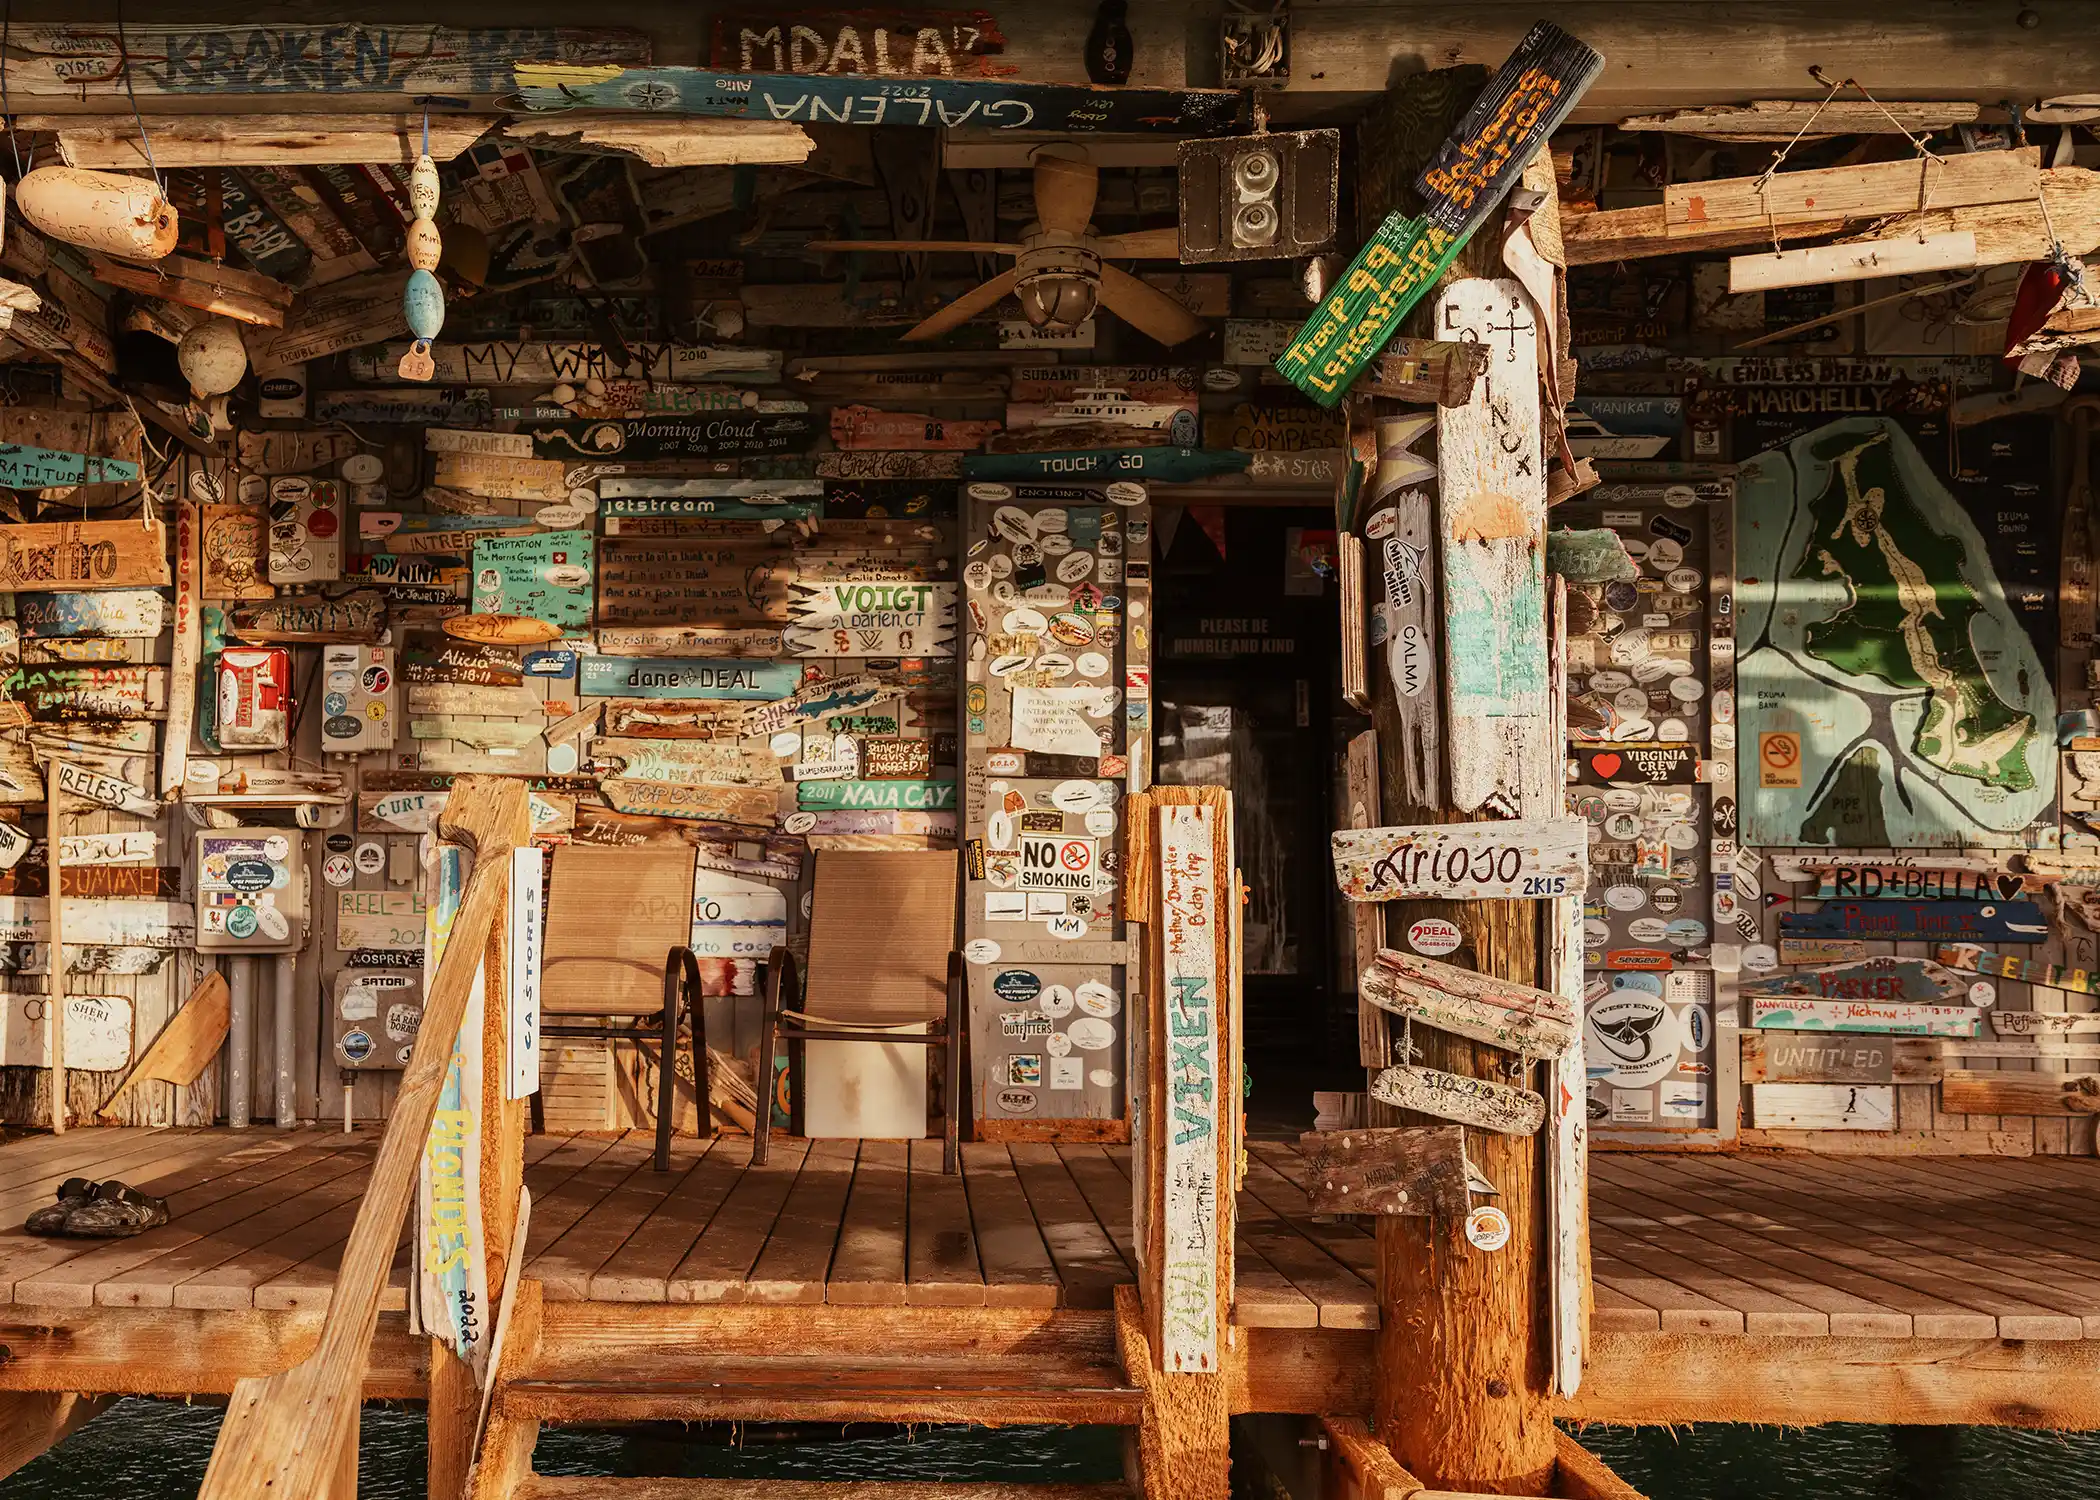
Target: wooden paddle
285,1435
185,1045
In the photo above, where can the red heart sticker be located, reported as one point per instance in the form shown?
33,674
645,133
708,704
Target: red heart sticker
1606,765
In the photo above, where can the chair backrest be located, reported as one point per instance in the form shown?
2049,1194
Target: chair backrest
612,916
881,927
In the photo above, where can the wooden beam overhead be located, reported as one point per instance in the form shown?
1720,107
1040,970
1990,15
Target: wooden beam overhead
1856,192
1784,119
669,142
1663,54
257,140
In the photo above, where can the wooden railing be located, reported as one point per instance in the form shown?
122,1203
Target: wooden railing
294,1435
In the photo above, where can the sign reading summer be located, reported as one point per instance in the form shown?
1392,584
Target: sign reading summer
980,104
1893,692
641,677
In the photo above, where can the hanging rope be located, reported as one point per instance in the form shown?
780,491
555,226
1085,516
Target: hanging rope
1918,143
145,141
7,26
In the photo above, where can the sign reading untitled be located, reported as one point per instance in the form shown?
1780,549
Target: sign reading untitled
1188,895
1526,859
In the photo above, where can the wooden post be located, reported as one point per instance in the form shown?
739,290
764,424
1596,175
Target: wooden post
1461,1393
55,964
1181,884
456,1396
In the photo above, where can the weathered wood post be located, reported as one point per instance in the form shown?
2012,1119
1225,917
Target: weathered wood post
1174,1329
470,1245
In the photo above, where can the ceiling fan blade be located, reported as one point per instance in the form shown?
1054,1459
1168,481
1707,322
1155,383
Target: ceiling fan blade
964,308
1142,244
1147,309
965,247
1064,193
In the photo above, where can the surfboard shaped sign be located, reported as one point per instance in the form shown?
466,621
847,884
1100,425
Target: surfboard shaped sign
1469,1101
1971,959
1536,1023
1916,980
1922,921
1528,859
1789,1014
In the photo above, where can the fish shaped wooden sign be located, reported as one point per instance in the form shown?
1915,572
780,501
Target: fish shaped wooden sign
1469,1101
1922,921
1886,979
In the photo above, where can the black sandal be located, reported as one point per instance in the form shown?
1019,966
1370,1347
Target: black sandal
116,1212
73,1193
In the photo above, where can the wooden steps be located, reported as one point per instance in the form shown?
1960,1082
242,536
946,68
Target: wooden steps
982,1392
545,1487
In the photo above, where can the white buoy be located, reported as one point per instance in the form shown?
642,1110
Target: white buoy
212,357
106,211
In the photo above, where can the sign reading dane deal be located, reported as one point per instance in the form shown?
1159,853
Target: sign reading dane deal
644,677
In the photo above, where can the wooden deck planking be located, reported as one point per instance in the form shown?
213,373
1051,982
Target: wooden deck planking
566,1267
867,1268
1087,1260
717,1267
652,1252
1018,1271
941,1268
797,1254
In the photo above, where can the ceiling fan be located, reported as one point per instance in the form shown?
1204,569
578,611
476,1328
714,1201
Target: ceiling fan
1059,273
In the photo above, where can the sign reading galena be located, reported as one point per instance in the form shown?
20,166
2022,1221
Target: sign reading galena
873,617
1188,885
1529,859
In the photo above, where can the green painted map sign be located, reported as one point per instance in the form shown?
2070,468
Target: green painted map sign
1898,689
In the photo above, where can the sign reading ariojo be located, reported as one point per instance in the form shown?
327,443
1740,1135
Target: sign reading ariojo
1529,859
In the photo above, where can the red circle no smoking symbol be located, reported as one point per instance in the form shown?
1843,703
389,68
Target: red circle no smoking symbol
1073,855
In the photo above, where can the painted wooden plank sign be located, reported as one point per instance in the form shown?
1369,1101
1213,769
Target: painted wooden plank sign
354,617
885,43
1822,1106
122,924
1170,465
903,796
1194,972
887,464
1531,96
1972,959
707,762
462,662
546,575
1878,1017
74,61
1453,1096
858,427
106,791
1410,1169
1912,883
1922,921
26,468
686,640
872,617
662,799
665,677
97,1037
90,692
511,363
78,849
1534,1022
1491,514
1884,979
1397,266
2044,1023
953,103
82,554
694,582
650,439
1526,860
1820,1057
134,613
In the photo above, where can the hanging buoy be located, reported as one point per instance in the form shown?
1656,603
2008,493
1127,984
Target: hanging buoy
106,211
423,299
212,357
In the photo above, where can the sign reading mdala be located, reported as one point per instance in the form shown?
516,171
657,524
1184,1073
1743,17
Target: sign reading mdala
641,677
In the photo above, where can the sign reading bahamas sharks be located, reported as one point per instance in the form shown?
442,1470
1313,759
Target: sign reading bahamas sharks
716,435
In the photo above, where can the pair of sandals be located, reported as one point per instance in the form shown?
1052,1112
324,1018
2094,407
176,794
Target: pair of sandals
98,1211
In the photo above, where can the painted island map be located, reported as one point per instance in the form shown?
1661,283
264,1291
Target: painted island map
1893,643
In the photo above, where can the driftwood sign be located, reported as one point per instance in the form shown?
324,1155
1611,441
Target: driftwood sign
1453,1096
1402,529
82,554
1971,959
1864,1015
722,804
113,612
876,617
1922,921
506,363
1500,1012
1414,1169
1525,860
650,439
676,582
883,43
1428,372
1884,979
867,427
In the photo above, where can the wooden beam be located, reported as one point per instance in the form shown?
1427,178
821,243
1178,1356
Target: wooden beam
1672,1378
669,142
33,1422
1579,1474
1868,190
1667,55
1183,1434
1632,233
176,1351
245,140
1954,250
1785,119
1361,1466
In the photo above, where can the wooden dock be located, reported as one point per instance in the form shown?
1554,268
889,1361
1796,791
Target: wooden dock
1755,1287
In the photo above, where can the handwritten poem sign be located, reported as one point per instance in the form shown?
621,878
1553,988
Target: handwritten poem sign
1188,885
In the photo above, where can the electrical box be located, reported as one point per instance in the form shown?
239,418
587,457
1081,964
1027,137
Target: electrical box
1259,197
251,890
306,530
359,703
377,1013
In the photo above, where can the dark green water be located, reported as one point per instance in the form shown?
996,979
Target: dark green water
157,1450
